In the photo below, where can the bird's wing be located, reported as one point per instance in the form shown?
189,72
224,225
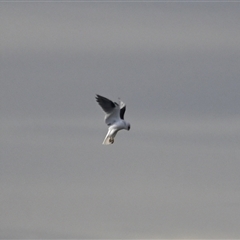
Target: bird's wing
106,104
111,109
122,109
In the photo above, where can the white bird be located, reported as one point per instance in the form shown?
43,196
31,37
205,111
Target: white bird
114,117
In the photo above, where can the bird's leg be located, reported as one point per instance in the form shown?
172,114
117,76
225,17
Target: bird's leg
111,140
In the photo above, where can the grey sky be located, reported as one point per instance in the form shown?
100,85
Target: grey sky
174,175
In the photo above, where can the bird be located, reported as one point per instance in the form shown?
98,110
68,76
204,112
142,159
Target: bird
114,117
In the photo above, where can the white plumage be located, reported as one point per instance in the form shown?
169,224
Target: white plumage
114,117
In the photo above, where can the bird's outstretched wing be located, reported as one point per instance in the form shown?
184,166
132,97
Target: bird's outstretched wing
111,109
106,104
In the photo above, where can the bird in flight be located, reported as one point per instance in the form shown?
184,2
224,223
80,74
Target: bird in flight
114,117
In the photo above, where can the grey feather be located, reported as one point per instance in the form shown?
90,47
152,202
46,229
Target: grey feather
106,104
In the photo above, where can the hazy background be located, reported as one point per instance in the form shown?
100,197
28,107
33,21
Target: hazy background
175,174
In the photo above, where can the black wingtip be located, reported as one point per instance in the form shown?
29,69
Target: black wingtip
98,96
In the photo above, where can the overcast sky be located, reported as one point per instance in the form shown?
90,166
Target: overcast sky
175,174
